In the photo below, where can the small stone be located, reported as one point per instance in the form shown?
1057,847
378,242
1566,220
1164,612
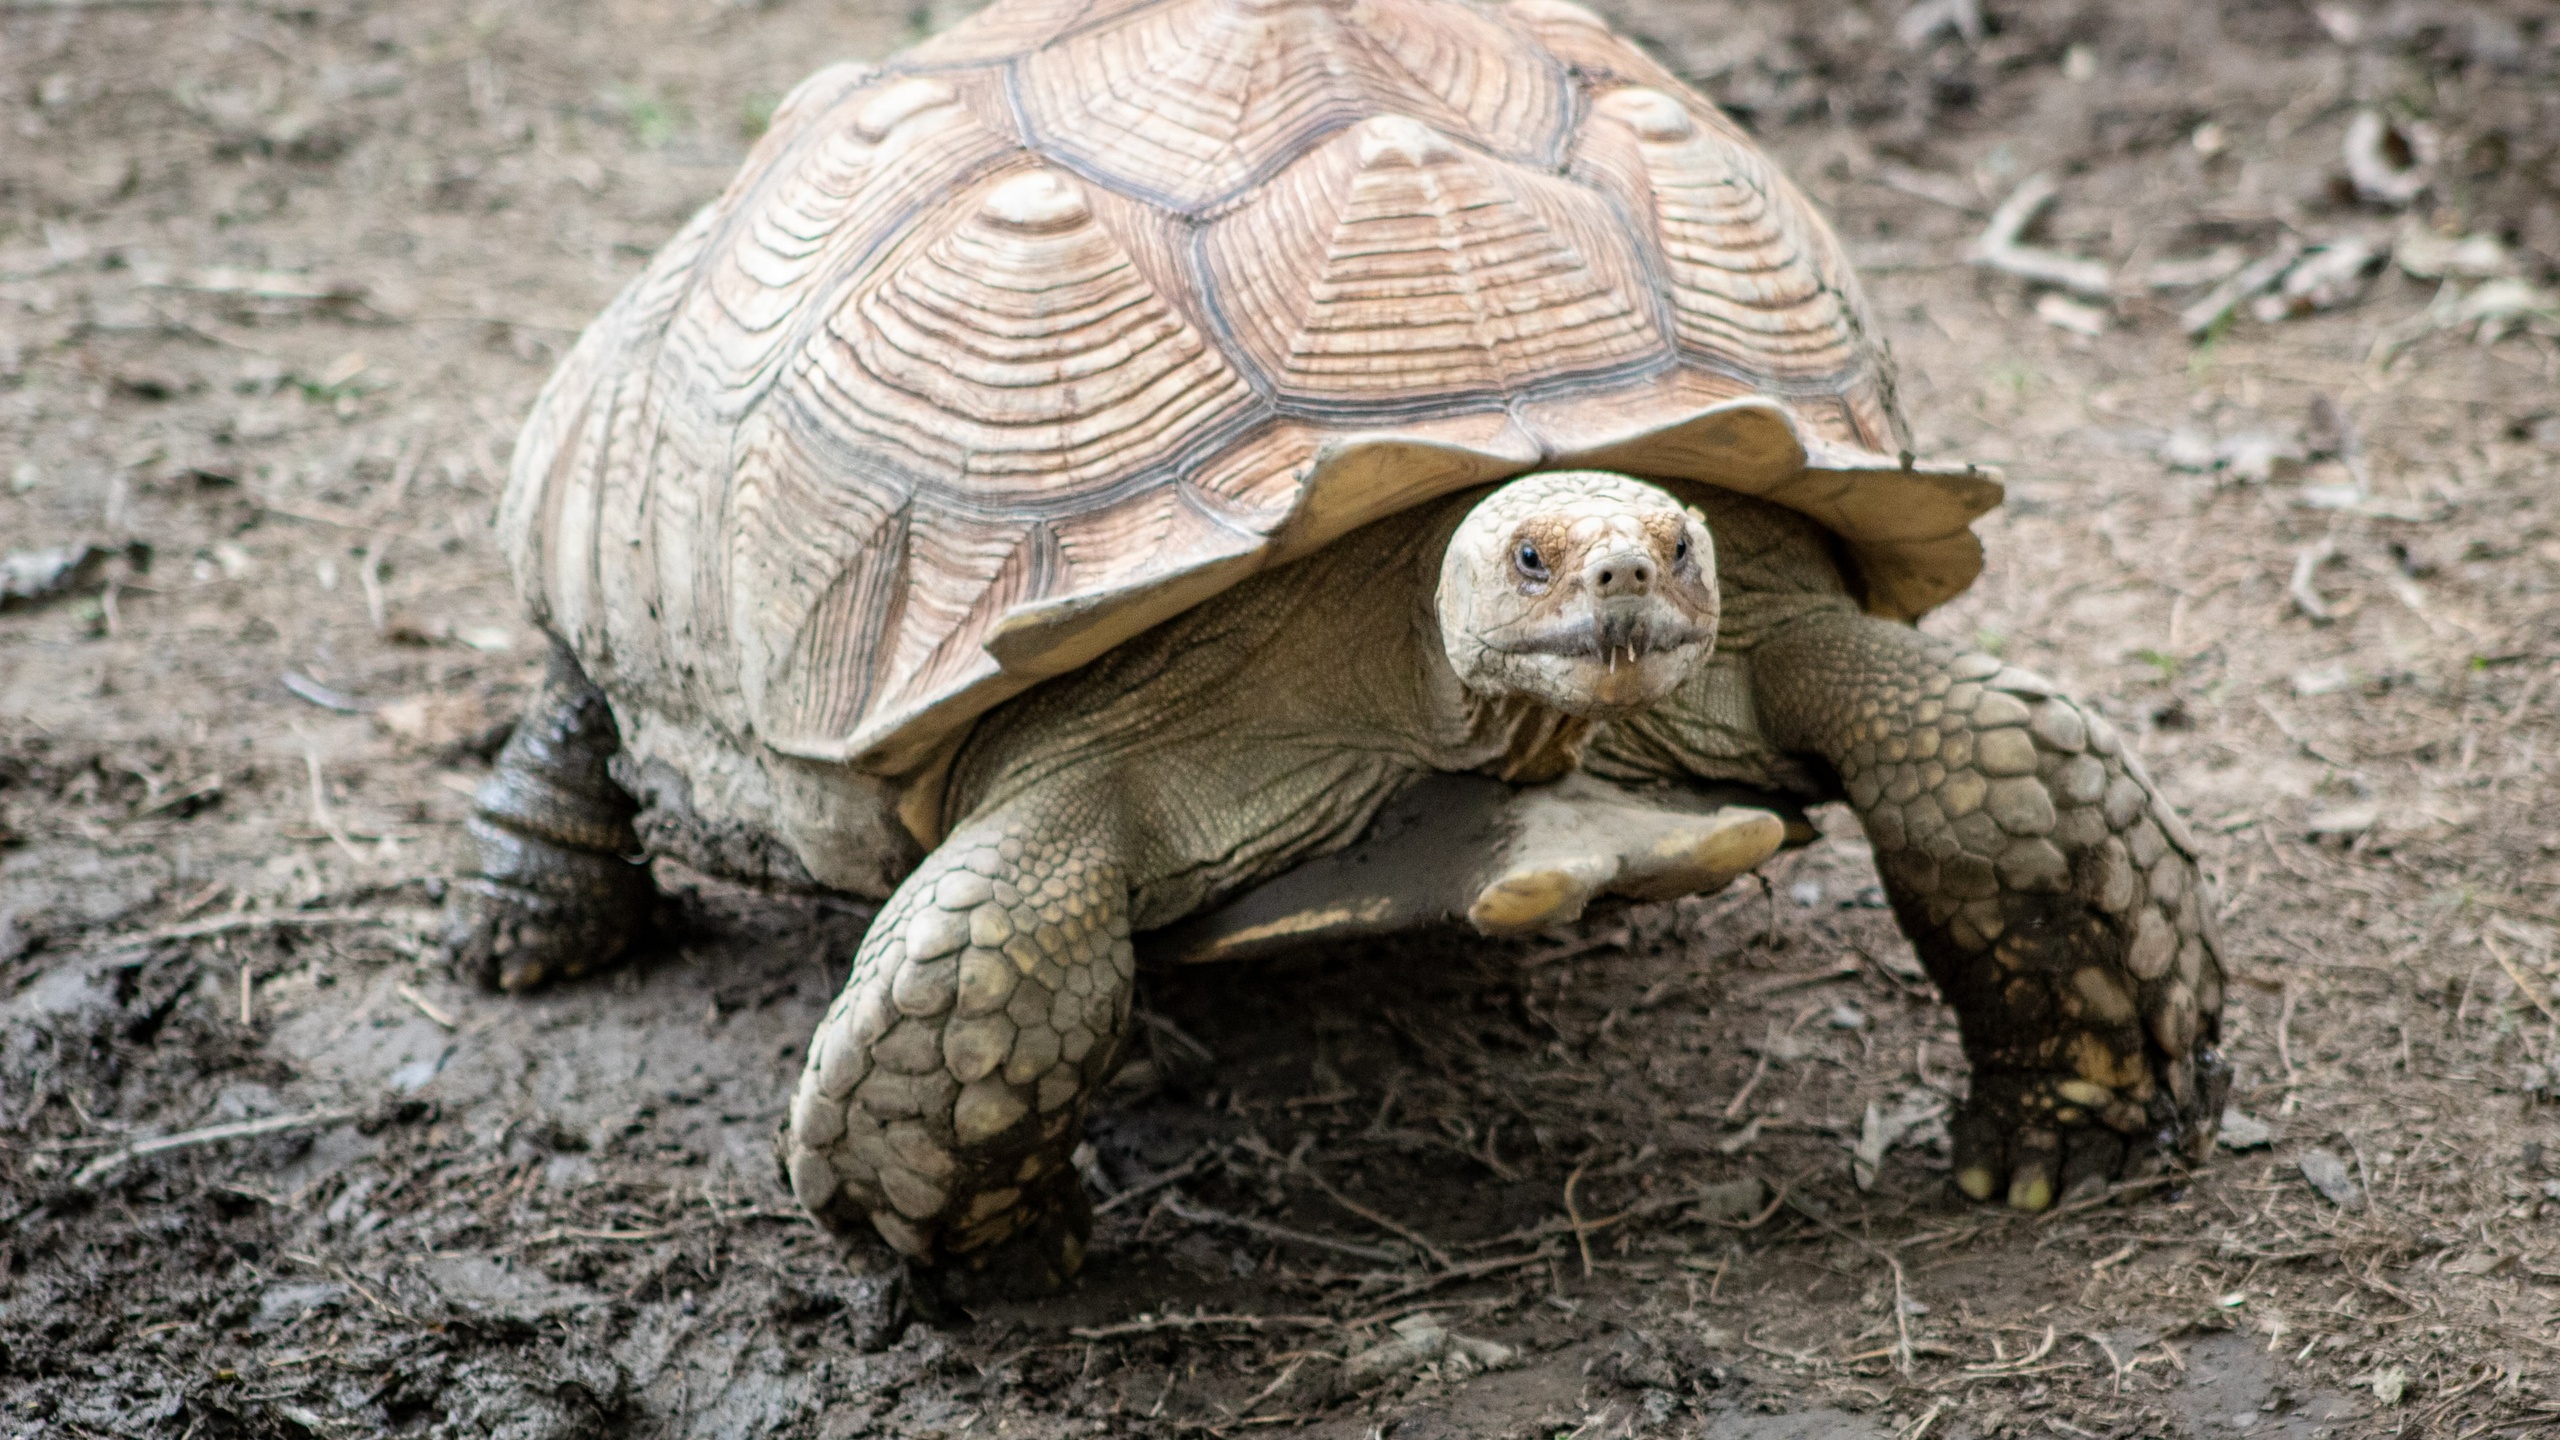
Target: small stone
2390,1384
2243,1131
2328,1174
2007,751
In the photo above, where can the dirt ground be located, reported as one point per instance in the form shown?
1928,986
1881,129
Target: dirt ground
276,283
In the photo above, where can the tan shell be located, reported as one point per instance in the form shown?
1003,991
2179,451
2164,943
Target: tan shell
1086,309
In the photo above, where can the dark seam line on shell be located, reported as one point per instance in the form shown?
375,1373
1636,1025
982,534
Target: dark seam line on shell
1195,259
1196,500
1424,407
865,465
1645,235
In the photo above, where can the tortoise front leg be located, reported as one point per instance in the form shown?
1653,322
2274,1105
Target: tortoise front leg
947,1086
2049,889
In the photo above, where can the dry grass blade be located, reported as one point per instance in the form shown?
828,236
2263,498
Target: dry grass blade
1157,1324
1181,1209
1901,1286
268,920
2527,988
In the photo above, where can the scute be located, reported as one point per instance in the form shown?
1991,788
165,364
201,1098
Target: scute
1395,272
1188,103
1088,309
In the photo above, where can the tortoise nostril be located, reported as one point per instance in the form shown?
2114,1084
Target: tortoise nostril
1621,575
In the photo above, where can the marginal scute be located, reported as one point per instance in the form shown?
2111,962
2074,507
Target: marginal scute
898,102
1651,114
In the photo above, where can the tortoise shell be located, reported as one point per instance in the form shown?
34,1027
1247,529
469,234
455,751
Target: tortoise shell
1085,310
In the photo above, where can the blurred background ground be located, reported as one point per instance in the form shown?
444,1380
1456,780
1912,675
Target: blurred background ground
276,284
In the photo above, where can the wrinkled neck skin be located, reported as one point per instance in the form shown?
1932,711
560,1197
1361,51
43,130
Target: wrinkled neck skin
1268,725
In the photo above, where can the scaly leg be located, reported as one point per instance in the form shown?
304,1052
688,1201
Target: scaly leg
556,891
948,1083
2048,888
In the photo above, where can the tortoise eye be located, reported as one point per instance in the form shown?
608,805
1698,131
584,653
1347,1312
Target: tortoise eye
1531,563
1681,550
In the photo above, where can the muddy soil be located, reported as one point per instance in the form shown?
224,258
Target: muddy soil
276,283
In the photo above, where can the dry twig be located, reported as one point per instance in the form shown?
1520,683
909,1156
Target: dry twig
1997,248
113,1161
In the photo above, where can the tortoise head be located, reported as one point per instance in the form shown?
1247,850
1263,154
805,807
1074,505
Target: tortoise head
1586,591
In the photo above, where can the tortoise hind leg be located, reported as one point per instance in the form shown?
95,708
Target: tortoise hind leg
556,890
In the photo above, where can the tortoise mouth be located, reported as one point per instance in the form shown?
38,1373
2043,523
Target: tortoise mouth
1611,637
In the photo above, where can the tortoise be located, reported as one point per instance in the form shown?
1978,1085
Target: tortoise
1085,474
